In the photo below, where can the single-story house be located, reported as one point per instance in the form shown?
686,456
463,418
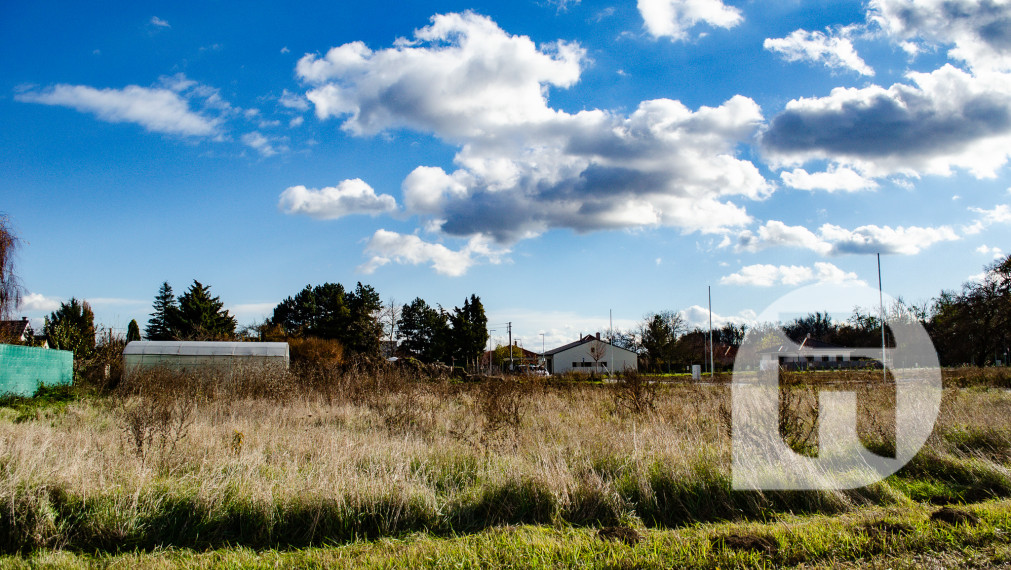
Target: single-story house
810,353
590,354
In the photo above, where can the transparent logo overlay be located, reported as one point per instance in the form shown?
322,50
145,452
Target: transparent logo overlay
762,459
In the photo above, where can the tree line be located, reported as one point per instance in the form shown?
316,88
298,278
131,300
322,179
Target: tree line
665,344
356,318
969,326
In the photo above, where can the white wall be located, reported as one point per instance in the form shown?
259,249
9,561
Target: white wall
617,359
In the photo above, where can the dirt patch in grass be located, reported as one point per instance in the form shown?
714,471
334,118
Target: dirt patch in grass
754,542
629,536
881,529
952,515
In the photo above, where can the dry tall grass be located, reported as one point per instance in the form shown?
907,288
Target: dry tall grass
271,458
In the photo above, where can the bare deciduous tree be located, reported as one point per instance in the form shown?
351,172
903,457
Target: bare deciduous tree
10,284
388,316
598,350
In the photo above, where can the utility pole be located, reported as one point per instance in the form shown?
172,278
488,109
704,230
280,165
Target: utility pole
509,327
881,303
712,361
542,349
610,340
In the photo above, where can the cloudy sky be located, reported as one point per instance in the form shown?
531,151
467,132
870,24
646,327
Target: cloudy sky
559,158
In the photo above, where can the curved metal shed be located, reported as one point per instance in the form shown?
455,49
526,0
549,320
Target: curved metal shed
192,354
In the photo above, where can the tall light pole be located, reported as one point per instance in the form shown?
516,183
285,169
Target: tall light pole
542,348
491,357
509,326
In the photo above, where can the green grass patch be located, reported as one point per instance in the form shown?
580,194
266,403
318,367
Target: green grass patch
896,537
46,403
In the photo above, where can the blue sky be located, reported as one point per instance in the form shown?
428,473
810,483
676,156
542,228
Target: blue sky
560,159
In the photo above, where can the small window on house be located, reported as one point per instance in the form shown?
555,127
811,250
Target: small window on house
824,358
838,359
810,359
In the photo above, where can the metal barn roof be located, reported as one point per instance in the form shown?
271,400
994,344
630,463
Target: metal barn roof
208,348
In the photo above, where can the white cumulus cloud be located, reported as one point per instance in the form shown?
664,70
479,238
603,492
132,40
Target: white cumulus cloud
775,233
674,19
979,31
996,252
523,167
349,197
698,316
39,302
836,240
999,214
884,239
462,76
834,50
156,109
386,246
763,275
943,120
835,179
293,101
266,146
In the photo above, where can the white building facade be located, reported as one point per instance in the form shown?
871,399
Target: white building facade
590,355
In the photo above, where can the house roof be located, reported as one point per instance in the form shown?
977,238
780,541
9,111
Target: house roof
14,329
584,340
807,345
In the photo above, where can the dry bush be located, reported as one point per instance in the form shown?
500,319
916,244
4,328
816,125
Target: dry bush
155,409
501,404
102,368
156,425
495,411
315,352
974,376
798,418
634,393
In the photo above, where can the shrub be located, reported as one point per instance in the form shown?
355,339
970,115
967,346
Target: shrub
634,393
315,352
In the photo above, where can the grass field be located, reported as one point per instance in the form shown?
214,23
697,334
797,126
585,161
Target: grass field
348,467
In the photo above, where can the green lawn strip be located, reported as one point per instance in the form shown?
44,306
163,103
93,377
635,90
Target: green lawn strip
168,515
905,536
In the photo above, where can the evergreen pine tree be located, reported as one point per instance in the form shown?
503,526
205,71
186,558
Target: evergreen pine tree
132,331
201,316
470,331
163,322
72,327
363,327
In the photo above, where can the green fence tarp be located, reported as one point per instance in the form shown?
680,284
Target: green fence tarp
23,368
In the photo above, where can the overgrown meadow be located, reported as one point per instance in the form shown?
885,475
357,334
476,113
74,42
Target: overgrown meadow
269,461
